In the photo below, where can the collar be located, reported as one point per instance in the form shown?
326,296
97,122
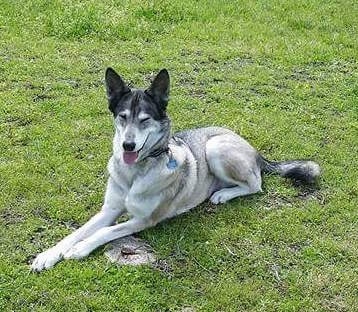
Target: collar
172,163
159,151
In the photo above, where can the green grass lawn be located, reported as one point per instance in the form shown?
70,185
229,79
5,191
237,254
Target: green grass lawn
283,74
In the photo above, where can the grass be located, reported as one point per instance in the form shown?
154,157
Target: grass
284,74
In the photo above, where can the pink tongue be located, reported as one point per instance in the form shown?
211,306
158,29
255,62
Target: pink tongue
130,157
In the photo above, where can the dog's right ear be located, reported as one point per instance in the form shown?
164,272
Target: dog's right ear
115,87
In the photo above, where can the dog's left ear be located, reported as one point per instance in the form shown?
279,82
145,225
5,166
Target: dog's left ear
159,89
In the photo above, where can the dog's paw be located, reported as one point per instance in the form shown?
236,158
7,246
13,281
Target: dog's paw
46,259
220,197
78,251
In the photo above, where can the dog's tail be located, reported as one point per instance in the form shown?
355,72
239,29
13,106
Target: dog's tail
306,171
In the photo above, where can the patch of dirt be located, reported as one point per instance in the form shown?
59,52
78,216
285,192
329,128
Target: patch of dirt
70,225
295,248
130,250
275,200
302,74
75,84
18,121
40,212
276,272
96,84
31,86
41,97
312,193
9,217
317,70
187,309
304,193
336,304
164,267
299,246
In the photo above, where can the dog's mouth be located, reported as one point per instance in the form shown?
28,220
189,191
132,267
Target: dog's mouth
130,158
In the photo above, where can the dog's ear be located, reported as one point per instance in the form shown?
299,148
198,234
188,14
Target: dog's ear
115,87
159,89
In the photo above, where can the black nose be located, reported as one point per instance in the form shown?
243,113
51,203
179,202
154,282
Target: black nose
128,146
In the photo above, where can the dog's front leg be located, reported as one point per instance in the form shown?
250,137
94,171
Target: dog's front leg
50,257
110,211
107,234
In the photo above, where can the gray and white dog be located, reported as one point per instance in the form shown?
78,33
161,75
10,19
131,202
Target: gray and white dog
154,176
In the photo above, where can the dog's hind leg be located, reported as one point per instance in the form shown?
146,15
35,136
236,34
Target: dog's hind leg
233,162
225,194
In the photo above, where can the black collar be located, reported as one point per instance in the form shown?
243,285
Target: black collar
159,151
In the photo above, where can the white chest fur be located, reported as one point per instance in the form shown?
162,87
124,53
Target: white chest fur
148,186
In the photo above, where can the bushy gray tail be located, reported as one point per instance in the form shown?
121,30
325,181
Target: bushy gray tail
305,171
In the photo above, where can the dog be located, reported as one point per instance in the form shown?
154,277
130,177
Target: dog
154,176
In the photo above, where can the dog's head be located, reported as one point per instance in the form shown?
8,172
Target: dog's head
140,116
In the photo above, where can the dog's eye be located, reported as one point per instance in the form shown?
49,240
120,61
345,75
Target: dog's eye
144,120
122,117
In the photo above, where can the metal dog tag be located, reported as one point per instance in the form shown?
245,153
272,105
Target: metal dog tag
172,164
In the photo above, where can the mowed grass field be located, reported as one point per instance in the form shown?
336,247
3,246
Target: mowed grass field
283,74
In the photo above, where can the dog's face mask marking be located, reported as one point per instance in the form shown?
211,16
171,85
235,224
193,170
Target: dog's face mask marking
139,115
